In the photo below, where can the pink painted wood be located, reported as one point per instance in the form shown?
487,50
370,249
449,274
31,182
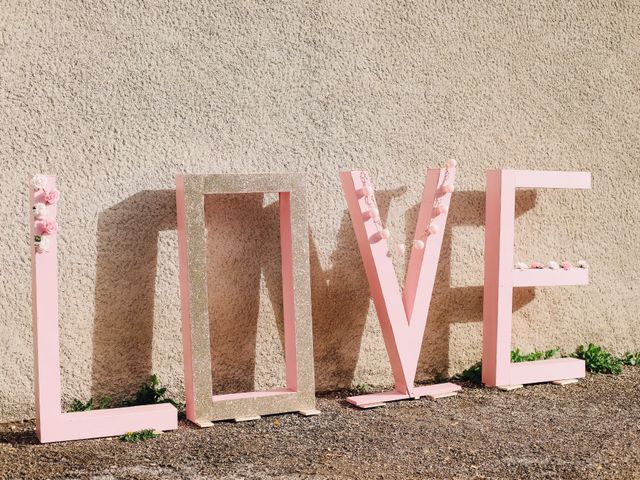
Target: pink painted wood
402,317
500,278
51,424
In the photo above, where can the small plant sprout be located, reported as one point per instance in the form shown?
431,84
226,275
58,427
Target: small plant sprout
79,406
439,377
139,436
631,359
150,393
363,388
473,374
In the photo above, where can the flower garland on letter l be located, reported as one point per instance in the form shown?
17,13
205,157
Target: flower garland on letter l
44,218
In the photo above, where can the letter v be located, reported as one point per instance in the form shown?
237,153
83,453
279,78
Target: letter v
403,317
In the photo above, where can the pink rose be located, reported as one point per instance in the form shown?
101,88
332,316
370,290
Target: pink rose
536,265
47,226
566,265
51,197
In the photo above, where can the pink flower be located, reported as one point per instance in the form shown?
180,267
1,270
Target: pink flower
51,197
47,226
39,182
566,265
536,265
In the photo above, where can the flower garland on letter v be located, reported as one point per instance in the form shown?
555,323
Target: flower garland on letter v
374,212
45,225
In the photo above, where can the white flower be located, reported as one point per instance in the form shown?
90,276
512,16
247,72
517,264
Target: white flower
522,266
554,265
39,211
42,244
583,264
39,182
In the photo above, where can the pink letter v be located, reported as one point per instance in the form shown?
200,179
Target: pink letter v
403,317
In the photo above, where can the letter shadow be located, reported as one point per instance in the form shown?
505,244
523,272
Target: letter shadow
340,301
451,305
126,263
242,238
236,255
341,296
243,241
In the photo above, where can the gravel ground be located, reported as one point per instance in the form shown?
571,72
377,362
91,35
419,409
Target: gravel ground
581,431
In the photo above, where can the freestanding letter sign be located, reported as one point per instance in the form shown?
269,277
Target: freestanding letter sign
402,317
299,395
500,278
51,424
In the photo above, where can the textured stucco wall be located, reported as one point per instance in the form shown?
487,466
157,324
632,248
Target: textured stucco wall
115,97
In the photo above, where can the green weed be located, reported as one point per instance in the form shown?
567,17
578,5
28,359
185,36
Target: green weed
151,392
517,356
598,360
139,436
363,388
631,359
79,406
472,374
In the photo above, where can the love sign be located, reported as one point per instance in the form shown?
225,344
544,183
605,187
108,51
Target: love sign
402,314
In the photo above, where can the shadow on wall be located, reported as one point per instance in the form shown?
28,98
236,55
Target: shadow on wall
239,248
125,290
462,304
234,290
341,297
340,301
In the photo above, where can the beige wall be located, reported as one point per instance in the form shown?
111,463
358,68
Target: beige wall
116,97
